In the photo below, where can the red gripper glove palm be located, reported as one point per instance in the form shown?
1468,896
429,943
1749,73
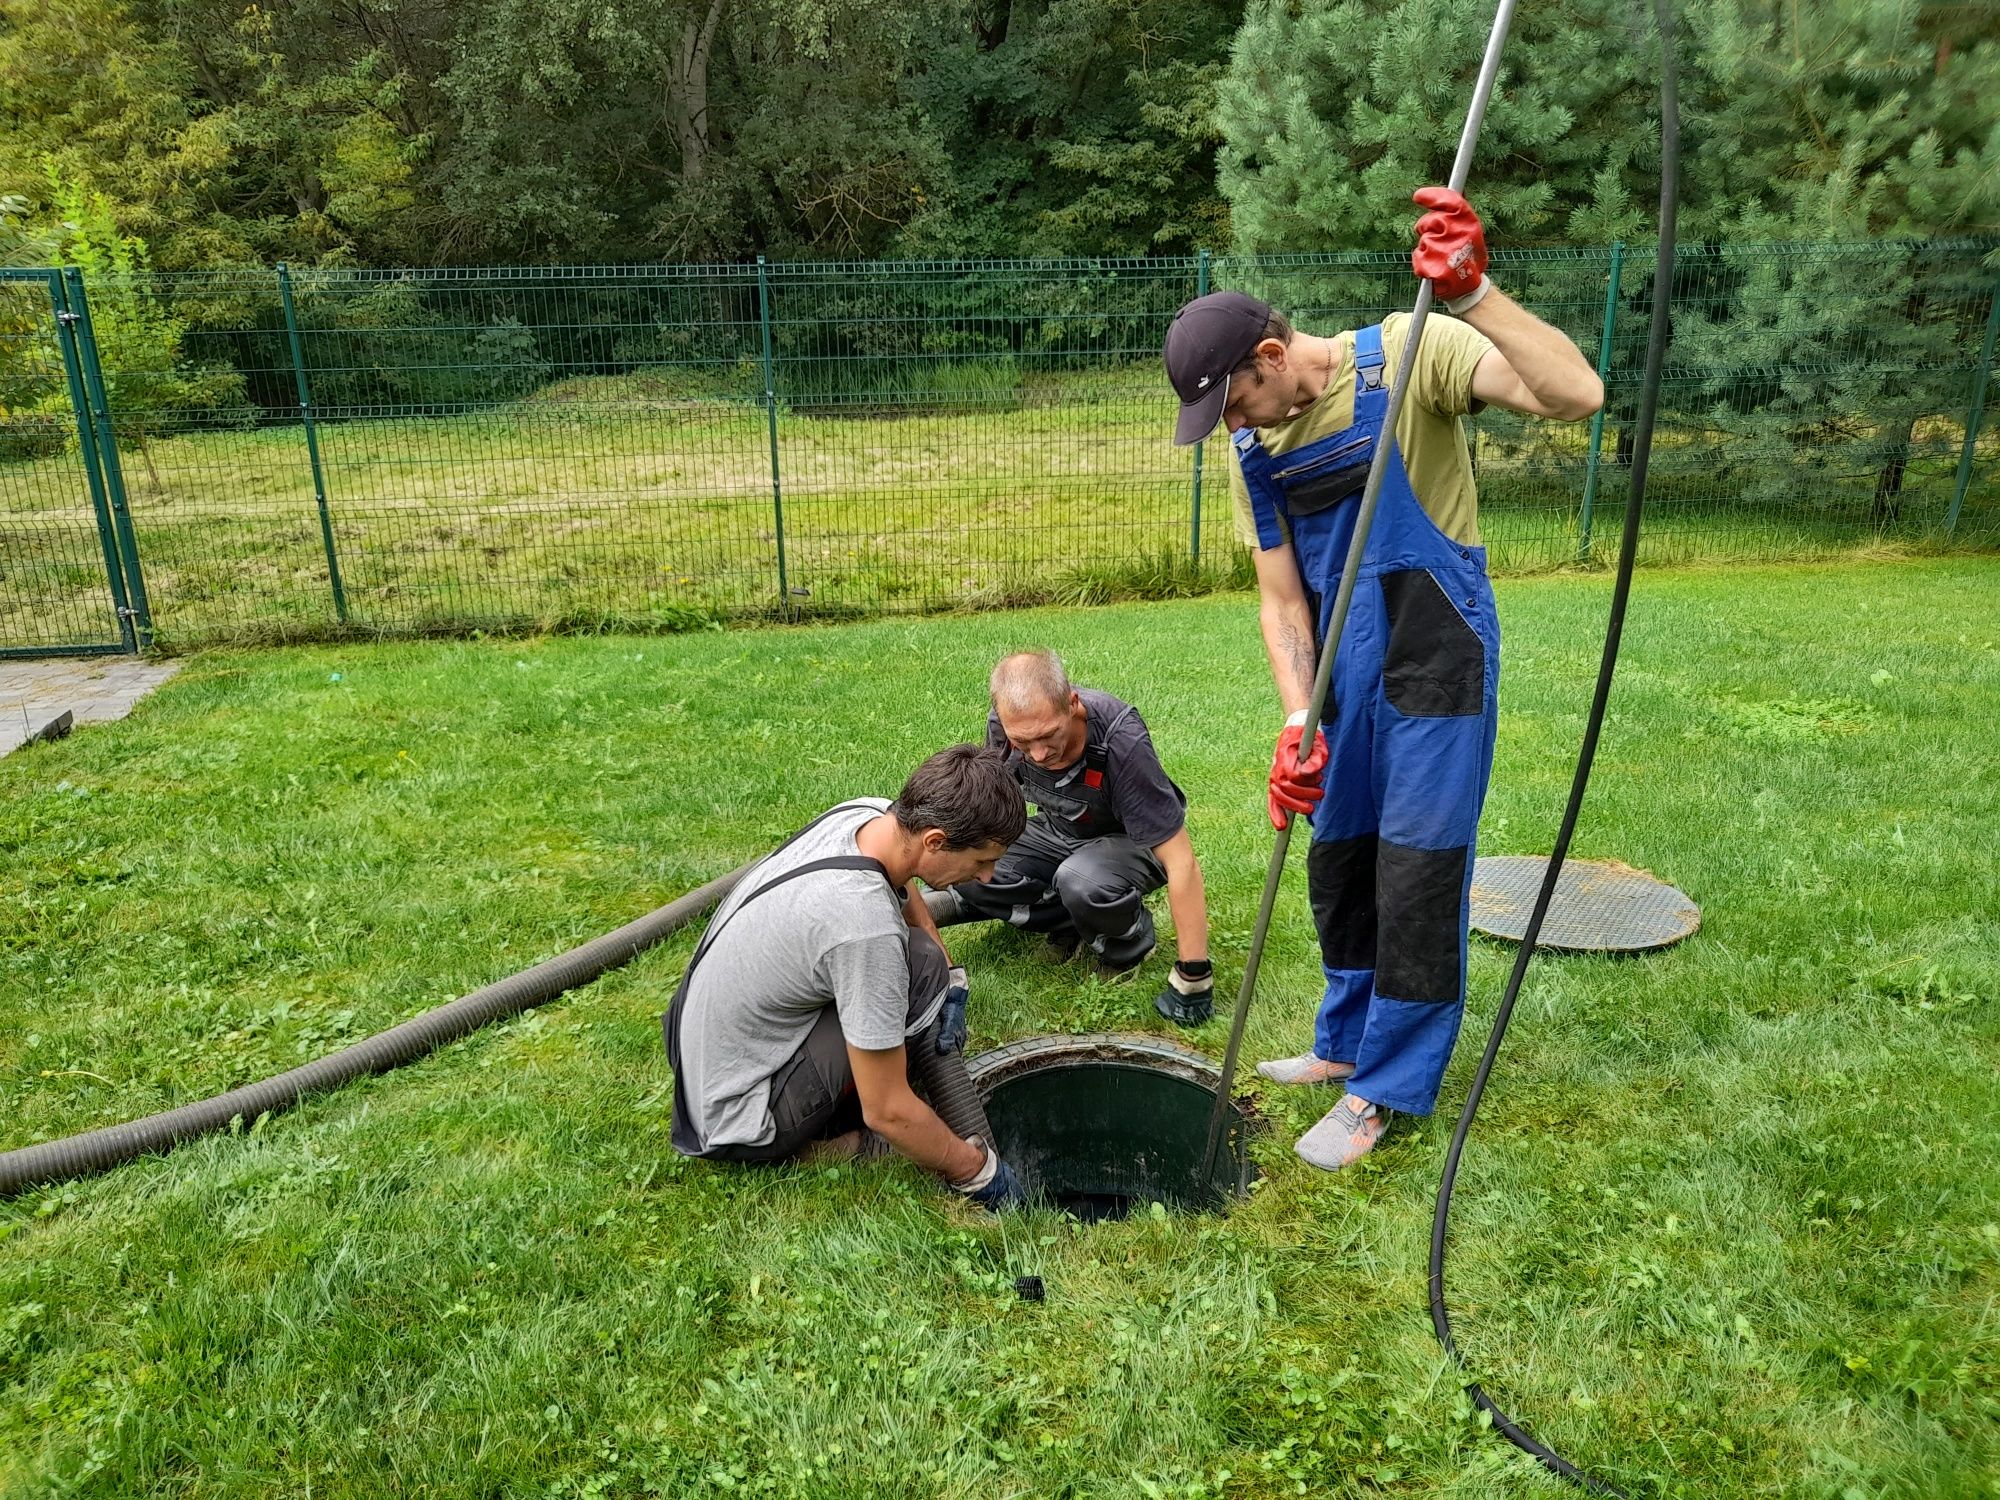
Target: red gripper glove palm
1294,787
1451,247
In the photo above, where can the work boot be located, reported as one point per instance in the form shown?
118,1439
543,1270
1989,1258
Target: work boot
1348,1133
1060,946
947,907
1119,957
1308,1067
1117,971
832,1150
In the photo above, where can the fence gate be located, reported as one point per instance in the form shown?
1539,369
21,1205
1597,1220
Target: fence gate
62,579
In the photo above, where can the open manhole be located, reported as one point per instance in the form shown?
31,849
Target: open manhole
1599,905
1102,1125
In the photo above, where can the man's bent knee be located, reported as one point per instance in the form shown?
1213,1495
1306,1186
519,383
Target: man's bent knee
930,972
1082,886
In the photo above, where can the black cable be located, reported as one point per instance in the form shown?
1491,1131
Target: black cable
1642,444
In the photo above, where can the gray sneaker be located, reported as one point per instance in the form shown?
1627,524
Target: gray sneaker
1308,1067
1348,1133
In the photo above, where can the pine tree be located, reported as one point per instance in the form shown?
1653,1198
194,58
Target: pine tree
1334,111
1837,377
1842,374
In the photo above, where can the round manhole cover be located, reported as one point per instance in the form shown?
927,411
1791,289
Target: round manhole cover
1600,905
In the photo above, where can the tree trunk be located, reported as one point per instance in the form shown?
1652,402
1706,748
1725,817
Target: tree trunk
989,23
1888,507
687,92
152,470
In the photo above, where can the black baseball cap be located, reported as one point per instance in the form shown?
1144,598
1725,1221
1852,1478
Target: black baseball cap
1209,338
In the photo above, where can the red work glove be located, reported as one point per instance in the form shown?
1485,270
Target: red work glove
1294,787
1451,248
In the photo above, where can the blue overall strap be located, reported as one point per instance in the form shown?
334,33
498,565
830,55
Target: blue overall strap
1266,505
1371,376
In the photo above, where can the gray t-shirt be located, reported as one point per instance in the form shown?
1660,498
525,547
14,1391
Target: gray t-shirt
835,937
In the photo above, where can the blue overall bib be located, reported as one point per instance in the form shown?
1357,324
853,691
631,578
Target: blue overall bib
1410,721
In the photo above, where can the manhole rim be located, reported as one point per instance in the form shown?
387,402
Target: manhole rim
1138,1052
1141,1049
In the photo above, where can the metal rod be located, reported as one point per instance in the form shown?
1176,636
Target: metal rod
33,653
1597,417
1489,70
1974,415
312,441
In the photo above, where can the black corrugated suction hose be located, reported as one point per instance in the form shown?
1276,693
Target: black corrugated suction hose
97,1151
944,1082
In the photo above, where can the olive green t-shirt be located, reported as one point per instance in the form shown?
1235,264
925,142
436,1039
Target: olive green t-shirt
1428,430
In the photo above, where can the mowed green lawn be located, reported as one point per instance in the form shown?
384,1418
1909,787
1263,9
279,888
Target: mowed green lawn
1727,1226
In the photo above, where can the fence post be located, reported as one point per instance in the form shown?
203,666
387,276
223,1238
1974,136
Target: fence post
107,452
771,416
66,341
312,441
1597,420
1973,414
1194,524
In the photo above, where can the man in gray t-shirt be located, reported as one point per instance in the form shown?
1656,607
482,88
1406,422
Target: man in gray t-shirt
791,1023
1110,827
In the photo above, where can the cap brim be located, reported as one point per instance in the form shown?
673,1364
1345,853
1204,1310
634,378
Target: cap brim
1198,418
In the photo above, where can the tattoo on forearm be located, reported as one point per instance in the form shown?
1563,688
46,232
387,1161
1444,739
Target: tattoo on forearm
1297,647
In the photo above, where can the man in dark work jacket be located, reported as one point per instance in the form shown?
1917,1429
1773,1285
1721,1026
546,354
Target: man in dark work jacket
1110,827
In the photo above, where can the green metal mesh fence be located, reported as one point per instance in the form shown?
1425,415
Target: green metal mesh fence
64,551
307,450
52,587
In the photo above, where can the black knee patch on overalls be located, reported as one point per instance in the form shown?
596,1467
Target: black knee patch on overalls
1420,894
1340,885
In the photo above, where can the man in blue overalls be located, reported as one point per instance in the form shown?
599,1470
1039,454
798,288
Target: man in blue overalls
1409,722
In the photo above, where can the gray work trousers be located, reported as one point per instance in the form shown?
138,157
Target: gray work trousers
1052,881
